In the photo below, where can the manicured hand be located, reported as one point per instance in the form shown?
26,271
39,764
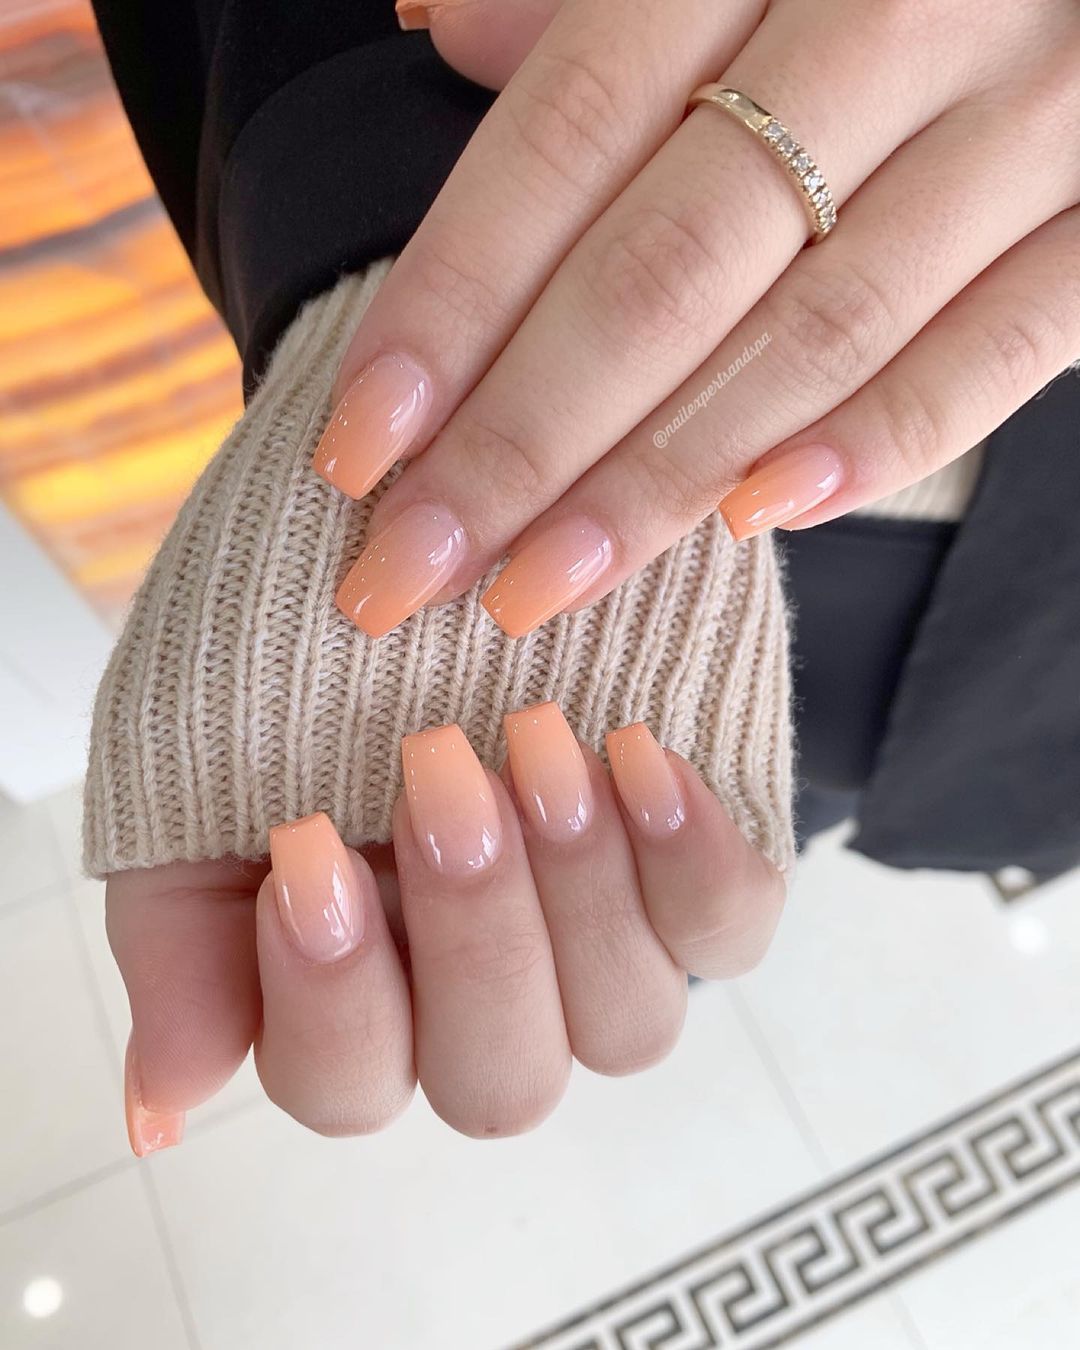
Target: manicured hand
607,324
524,919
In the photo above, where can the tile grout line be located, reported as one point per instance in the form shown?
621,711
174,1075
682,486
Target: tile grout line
172,1265
65,1191
779,1079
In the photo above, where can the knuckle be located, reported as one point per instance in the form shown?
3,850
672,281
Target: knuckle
834,325
497,964
729,935
466,298
1020,350
568,117
660,276
676,482
504,458
912,431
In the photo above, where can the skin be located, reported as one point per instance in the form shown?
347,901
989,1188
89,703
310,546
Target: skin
482,988
647,251
637,251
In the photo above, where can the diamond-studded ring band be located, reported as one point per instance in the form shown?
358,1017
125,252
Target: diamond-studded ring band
808,177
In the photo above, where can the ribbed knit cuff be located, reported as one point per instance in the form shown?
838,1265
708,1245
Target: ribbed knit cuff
239,697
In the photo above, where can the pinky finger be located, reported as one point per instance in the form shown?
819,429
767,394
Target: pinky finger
712,898
993,347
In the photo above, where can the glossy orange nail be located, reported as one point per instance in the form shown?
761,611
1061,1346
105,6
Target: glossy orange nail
549,771
548,574
148,1131
784,488
453,810
402,568
645,781
318,899
412,14
378,418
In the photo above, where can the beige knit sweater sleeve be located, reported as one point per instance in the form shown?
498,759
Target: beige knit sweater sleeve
238,697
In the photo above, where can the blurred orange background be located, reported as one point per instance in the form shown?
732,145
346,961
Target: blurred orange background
117,379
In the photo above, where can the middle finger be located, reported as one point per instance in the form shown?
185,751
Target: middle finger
491,1046
645,295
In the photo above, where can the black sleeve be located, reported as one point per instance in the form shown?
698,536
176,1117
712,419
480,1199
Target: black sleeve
289,142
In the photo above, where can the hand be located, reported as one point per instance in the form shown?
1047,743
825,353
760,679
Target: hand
596,264
550,912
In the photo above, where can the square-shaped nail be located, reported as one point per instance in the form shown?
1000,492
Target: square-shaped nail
379,416
318,898
550,775
402,568
548,574
453,811
645,781
782,490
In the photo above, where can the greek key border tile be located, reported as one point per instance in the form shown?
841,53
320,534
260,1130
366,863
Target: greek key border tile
827,1250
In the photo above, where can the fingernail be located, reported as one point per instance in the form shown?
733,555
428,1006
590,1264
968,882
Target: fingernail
377,419
782,489
547,575
645,780
453,810
412,14
549,771
148,1131
401,568
318,898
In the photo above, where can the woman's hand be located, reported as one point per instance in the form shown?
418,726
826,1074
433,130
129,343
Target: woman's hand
548,913
546,345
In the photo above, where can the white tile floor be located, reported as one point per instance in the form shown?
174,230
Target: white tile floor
889,1003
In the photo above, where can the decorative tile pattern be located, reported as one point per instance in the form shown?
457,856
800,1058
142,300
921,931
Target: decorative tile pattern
809,1260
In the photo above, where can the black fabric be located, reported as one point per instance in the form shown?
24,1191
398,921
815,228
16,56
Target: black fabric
291,143
858,589
980,765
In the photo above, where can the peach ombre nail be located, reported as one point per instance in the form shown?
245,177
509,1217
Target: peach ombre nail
318,899
412,14
453,810
378,418
784,488
645,780
402,568
148,1131
548,574
549,771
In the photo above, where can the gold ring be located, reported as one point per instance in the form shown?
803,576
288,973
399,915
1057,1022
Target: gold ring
811,182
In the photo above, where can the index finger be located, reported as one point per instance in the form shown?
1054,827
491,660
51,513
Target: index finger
599,93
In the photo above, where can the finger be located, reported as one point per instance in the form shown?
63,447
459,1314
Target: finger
335,1050
990,350
641,300
594,99
491,1045
183,937
713,898
484,40
834,318
623,997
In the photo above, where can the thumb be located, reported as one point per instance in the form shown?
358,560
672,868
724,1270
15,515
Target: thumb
184,938
484,40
